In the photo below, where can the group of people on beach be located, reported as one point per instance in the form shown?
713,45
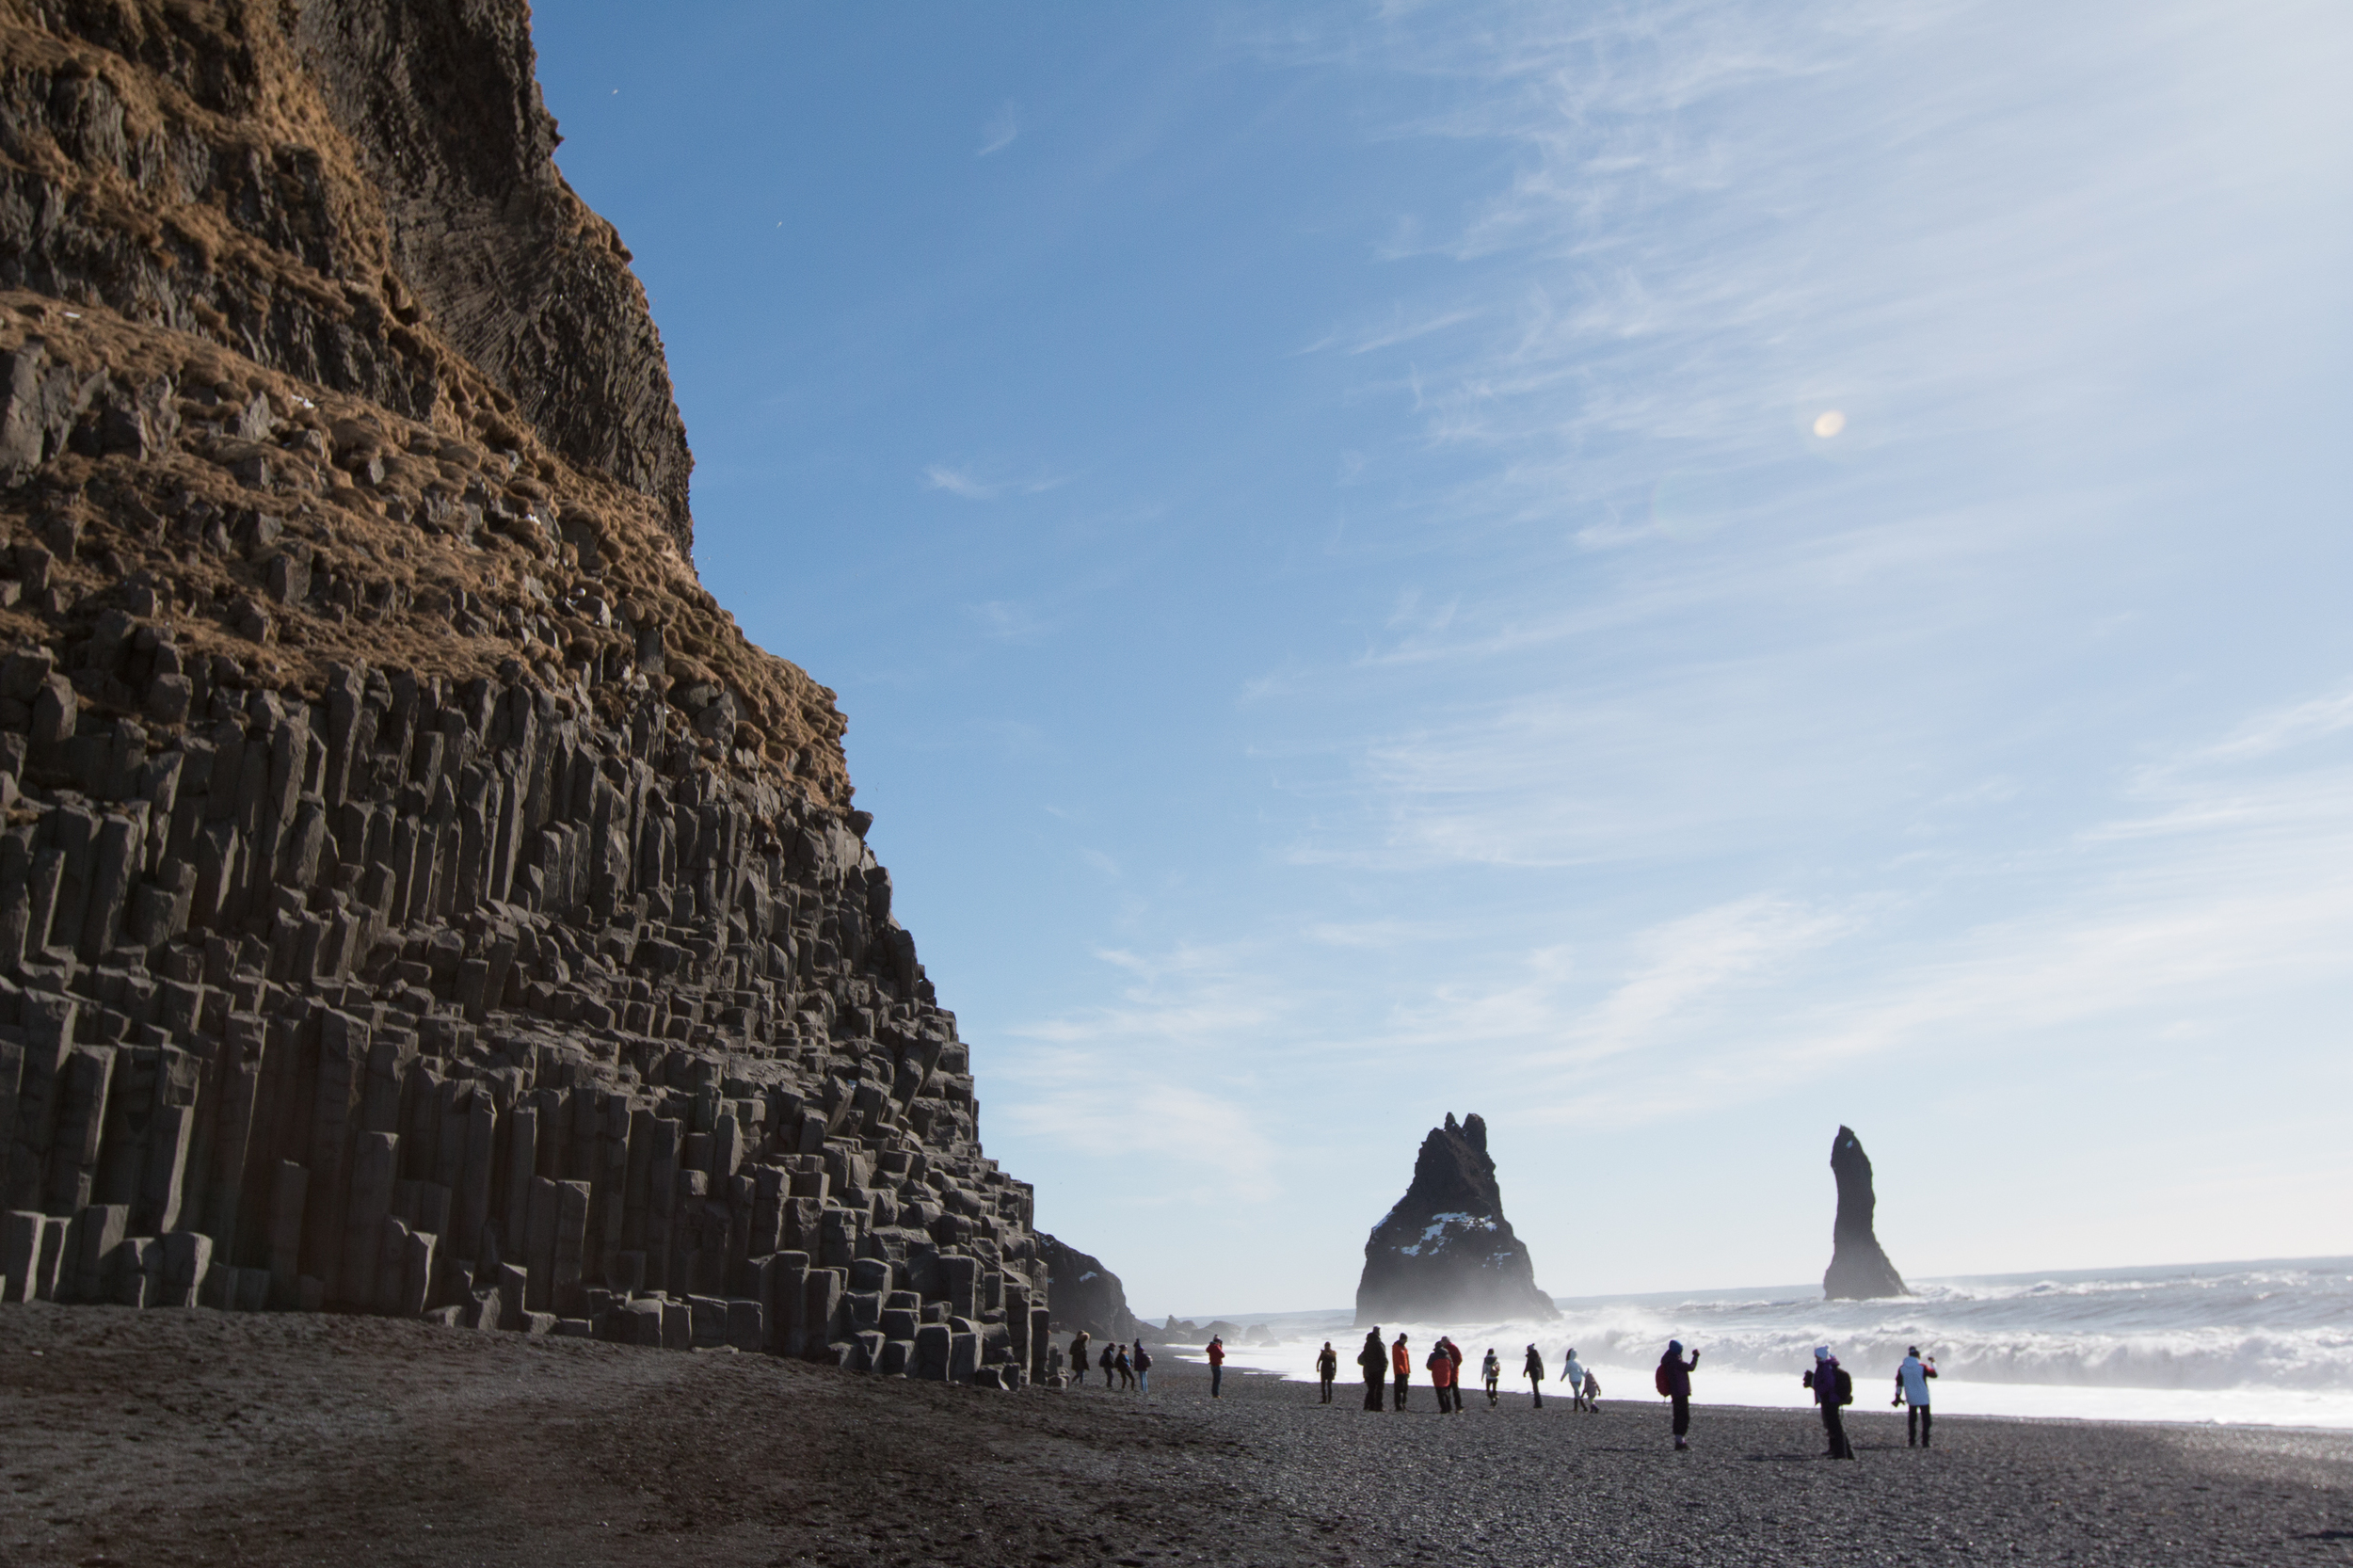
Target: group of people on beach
1388,1368
1131,1365
1445,1365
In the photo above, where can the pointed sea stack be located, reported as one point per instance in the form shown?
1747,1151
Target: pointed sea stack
1858,1269
1445,1252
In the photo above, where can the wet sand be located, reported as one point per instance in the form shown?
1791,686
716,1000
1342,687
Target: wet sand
170,1437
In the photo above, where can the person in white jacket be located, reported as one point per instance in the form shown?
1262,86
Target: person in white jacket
1911,1390
1572,1378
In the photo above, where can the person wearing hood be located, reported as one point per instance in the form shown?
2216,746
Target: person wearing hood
1442,1376
1375,1361
1078,1356
1492,1370
1911,1390
1833,1390
1144,1368
1534,1368
1674,1381
1327,1367
1402,1362
1572,1378
1454,1353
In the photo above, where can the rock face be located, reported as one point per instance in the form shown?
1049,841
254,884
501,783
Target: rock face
1858,1269
1445,1252
1086,1295
416,896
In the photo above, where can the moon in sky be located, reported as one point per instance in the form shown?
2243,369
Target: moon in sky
1829,424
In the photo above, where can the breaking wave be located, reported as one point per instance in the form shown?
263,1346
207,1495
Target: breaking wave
2255,1341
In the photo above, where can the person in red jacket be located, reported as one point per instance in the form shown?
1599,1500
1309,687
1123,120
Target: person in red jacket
1454,1353
1442,1376
1401,1364
1217,1364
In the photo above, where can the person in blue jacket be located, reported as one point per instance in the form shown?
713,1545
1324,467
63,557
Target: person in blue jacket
1911,1391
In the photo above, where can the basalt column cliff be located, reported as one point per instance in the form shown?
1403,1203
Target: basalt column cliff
416,895
1858,1269
1445,1252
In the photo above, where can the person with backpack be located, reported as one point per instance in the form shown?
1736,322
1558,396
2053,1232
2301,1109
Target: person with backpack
1534,1368
1106,1362
1911,1390
1492,1370
1327,1367
1078,1356
1573,1379
1144,1368
1402,1363
1375,1363
1833,1390
1217,1364
1673,1380
1454,1353
1441,1376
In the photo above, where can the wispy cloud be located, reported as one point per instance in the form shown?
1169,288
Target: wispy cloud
972,487
1002,129
1008,621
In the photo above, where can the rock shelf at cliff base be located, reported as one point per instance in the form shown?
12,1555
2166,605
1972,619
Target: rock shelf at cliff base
1445,1253
417,897
1859,1269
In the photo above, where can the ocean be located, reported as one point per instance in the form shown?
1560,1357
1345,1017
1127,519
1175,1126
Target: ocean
2261,1343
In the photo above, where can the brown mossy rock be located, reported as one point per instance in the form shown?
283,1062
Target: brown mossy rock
416,894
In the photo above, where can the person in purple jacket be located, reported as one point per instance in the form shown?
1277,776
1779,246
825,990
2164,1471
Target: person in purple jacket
1674,1381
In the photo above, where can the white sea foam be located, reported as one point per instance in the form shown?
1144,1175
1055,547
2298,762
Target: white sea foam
2267,1343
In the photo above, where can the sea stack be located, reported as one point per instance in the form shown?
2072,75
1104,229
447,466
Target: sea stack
1445,1252
1858,1269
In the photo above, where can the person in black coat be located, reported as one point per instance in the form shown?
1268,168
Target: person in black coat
1374,1359
1831,1392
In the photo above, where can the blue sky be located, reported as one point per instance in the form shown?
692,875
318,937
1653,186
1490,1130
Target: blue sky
1671,574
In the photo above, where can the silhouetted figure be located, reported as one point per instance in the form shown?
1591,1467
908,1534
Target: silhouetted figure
1327,1367
1078,1356
1675,1382
1375,1361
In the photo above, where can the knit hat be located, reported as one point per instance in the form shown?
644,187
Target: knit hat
1821,1352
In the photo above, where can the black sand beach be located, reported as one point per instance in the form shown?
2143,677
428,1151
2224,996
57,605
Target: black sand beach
199,1438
